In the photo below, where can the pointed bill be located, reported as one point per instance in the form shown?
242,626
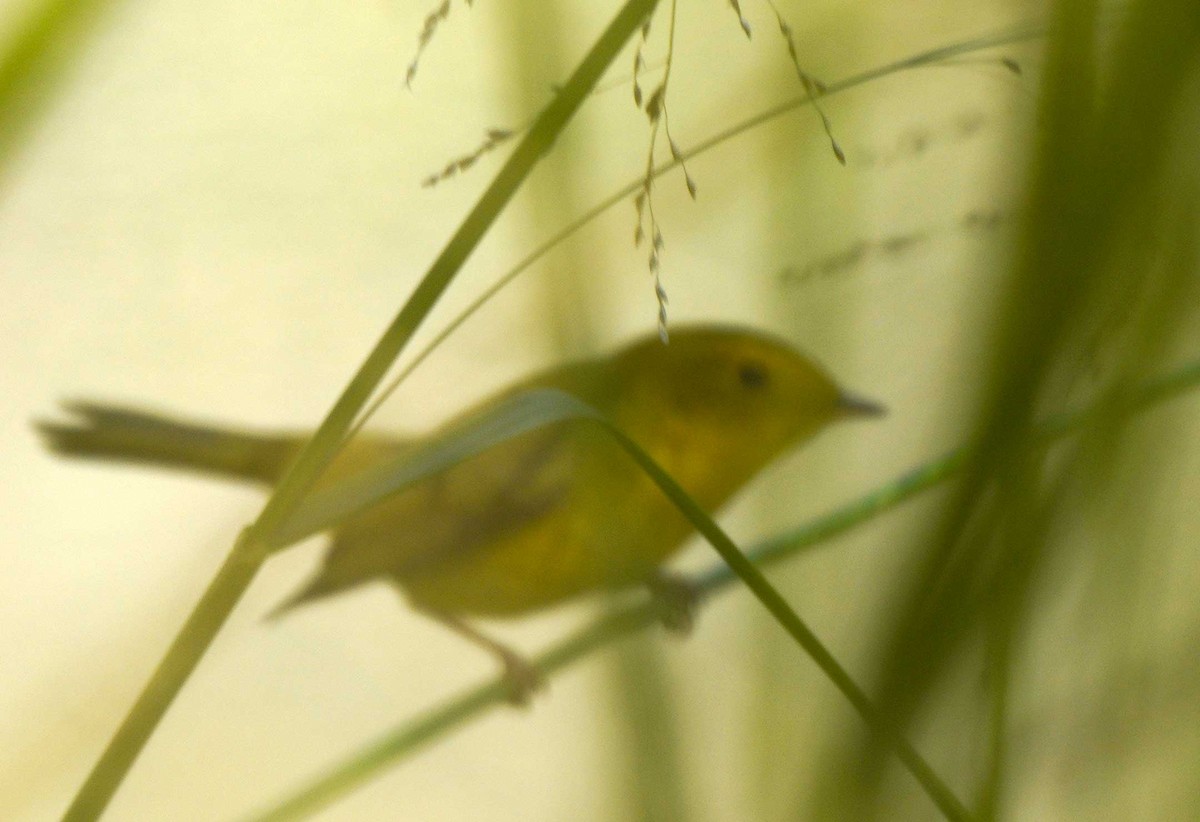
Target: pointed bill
855,406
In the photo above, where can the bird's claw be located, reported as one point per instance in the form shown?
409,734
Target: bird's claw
522,678
678,601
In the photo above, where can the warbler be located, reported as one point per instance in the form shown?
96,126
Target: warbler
547,515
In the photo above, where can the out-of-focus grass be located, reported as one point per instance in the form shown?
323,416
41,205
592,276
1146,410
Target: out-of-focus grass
1031,550
645,786
1102,291
50,36
250,550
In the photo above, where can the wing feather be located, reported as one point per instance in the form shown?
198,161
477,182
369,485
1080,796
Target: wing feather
441,519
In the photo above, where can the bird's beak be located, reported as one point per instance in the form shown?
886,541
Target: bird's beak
852,406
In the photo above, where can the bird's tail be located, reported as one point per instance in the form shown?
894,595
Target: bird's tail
109,432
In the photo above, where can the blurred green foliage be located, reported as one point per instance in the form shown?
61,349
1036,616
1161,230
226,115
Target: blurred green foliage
1031,647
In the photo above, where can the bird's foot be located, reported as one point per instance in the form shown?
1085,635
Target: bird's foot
521,676
678,601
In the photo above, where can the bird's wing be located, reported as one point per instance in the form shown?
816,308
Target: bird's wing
453,513
499,492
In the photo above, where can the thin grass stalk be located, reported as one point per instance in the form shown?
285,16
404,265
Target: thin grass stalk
925,59
791,622
251,549
405,740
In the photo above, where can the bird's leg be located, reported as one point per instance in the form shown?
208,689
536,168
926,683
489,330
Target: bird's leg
677,600
522,677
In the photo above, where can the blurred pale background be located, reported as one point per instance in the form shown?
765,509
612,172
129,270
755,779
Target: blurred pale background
218,212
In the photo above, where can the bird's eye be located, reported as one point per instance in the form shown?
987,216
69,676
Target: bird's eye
752,375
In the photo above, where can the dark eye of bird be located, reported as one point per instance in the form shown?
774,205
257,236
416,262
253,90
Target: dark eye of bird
752,375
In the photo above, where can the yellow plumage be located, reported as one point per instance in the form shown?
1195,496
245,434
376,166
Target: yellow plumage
547,515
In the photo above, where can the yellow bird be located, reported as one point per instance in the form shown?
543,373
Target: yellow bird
550,514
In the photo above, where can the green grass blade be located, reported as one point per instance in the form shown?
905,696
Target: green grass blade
509,418
251,549
791,622
404,741
546,406
51,35
1097,200
525,412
